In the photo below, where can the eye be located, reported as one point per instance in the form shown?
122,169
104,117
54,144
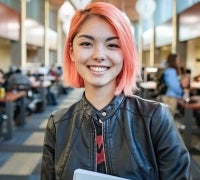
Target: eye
113,45
85,44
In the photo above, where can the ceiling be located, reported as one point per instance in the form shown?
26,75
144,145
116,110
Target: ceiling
189,21
127,6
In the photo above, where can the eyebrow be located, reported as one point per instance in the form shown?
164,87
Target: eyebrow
92,38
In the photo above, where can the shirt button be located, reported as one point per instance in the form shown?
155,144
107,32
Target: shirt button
104,114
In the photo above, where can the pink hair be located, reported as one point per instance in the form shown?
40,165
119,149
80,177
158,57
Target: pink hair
127,79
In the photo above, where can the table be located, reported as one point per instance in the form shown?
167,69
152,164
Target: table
9,99
146,87
43,88
188,115
195,85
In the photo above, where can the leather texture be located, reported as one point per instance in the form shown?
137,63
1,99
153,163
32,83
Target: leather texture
141,141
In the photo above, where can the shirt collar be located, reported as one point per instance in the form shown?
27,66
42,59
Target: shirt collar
106,112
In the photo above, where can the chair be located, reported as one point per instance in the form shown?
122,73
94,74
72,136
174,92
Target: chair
3,118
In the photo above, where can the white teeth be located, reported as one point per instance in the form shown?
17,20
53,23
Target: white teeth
98,69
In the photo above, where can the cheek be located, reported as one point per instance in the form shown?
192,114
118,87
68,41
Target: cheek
119,60
119,63
74,55
81,56
120,67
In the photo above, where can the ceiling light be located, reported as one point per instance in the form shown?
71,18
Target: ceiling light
145,8
66,12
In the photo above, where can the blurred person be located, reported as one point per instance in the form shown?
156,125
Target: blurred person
59,71
109,130
172,77
3,85
43,71
18,78
3,88
54,86
18,81
53,71
186,79
185,84
3,82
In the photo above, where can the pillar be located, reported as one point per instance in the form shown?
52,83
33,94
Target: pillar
46,39
175,30
23,33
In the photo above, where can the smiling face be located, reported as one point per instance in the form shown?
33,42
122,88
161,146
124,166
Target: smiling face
97,54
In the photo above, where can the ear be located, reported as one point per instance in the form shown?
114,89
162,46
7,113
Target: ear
71,53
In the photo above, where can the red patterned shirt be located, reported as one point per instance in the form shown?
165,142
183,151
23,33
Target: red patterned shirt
100,148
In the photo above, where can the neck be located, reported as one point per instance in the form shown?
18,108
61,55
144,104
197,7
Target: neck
99,97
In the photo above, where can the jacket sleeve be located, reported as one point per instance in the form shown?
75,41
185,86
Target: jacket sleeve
172,156
48,159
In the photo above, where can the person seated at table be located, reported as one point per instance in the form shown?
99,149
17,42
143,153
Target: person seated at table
53,71
16,82
19,81
37,81
3,83
3,116
3,79
186,78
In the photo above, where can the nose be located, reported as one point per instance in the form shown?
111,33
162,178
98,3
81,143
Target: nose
99,54
98,58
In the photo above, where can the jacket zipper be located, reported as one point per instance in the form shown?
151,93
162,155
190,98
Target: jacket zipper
102,124
95,145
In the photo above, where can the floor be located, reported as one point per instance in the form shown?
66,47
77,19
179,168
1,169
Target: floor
20,158
195,147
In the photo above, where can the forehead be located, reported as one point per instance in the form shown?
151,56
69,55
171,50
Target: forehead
96,24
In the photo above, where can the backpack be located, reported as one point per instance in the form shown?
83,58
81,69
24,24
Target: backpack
161,85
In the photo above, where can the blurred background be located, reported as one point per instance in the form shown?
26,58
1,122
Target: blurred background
33,31
32,38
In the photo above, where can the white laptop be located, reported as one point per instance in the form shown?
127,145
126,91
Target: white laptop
81,174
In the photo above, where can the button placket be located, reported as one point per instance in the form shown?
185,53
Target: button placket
104,114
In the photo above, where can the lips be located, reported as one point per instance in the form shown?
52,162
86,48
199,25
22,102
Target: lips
98,68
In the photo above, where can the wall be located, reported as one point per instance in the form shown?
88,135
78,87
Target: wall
5,54
193,52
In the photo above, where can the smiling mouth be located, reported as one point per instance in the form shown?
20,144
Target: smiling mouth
98,68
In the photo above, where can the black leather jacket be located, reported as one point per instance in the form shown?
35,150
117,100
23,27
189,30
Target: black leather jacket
141,141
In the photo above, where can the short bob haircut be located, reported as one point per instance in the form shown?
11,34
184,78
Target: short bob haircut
130,74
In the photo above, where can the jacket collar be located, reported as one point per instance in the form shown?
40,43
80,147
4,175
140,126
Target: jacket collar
106,112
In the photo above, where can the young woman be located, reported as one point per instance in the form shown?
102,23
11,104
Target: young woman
109,130
172,77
